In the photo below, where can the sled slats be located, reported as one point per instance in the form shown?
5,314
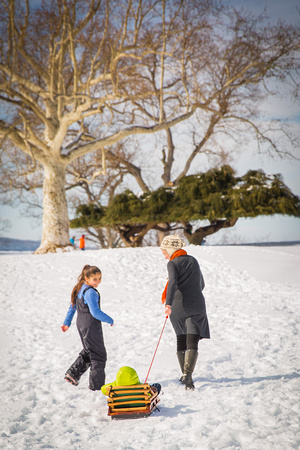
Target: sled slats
126,400
141,408
131,401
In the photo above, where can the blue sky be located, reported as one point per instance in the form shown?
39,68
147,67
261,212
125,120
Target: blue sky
286,10
276,228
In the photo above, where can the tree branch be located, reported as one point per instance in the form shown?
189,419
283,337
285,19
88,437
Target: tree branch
109,140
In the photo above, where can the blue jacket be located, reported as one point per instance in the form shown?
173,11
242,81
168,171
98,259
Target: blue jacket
91,299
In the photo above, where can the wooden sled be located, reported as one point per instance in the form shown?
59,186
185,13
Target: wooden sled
131,402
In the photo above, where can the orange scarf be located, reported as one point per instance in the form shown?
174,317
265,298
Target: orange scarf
175,255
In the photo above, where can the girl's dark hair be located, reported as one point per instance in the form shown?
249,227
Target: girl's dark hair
87,272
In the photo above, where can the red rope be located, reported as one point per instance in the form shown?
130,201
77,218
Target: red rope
156,349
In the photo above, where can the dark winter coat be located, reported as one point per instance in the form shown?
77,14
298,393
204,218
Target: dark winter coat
184,295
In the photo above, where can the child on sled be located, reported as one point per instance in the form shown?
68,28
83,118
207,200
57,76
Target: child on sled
127,376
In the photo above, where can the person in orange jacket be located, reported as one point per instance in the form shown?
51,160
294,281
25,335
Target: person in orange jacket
82,242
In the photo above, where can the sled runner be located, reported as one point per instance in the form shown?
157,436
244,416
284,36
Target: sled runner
130,402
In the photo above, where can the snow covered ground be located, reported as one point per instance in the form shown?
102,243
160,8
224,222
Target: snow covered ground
247,377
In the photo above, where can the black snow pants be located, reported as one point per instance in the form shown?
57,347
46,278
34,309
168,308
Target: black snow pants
93,355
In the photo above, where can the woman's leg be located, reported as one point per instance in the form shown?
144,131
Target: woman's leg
192,341
181,348
181,342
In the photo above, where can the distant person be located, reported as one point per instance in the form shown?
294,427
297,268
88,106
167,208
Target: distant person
184,304
82,242
85,299
72,240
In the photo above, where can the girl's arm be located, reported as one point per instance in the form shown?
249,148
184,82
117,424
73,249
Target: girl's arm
92,300
69,317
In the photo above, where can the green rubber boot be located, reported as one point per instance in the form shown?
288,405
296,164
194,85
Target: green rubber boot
190,360
181,358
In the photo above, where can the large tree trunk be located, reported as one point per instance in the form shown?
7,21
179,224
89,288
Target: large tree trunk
133,235
55,217
161,233
196,237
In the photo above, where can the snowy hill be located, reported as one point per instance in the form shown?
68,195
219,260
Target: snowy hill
247,376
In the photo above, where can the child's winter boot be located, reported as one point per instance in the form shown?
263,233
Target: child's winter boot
71,380
78,368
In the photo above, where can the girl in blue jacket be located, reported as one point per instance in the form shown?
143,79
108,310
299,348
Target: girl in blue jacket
85,299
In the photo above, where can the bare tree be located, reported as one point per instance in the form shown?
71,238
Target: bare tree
78,76
230,65
5,225
86,184
69,73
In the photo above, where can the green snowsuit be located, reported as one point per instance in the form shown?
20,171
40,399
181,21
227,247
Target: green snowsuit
126,376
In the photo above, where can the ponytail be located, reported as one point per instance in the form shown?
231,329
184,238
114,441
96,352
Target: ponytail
87,271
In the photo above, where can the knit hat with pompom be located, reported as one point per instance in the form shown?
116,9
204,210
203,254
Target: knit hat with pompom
171,243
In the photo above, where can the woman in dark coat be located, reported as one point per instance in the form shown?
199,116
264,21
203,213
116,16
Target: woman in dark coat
185,304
